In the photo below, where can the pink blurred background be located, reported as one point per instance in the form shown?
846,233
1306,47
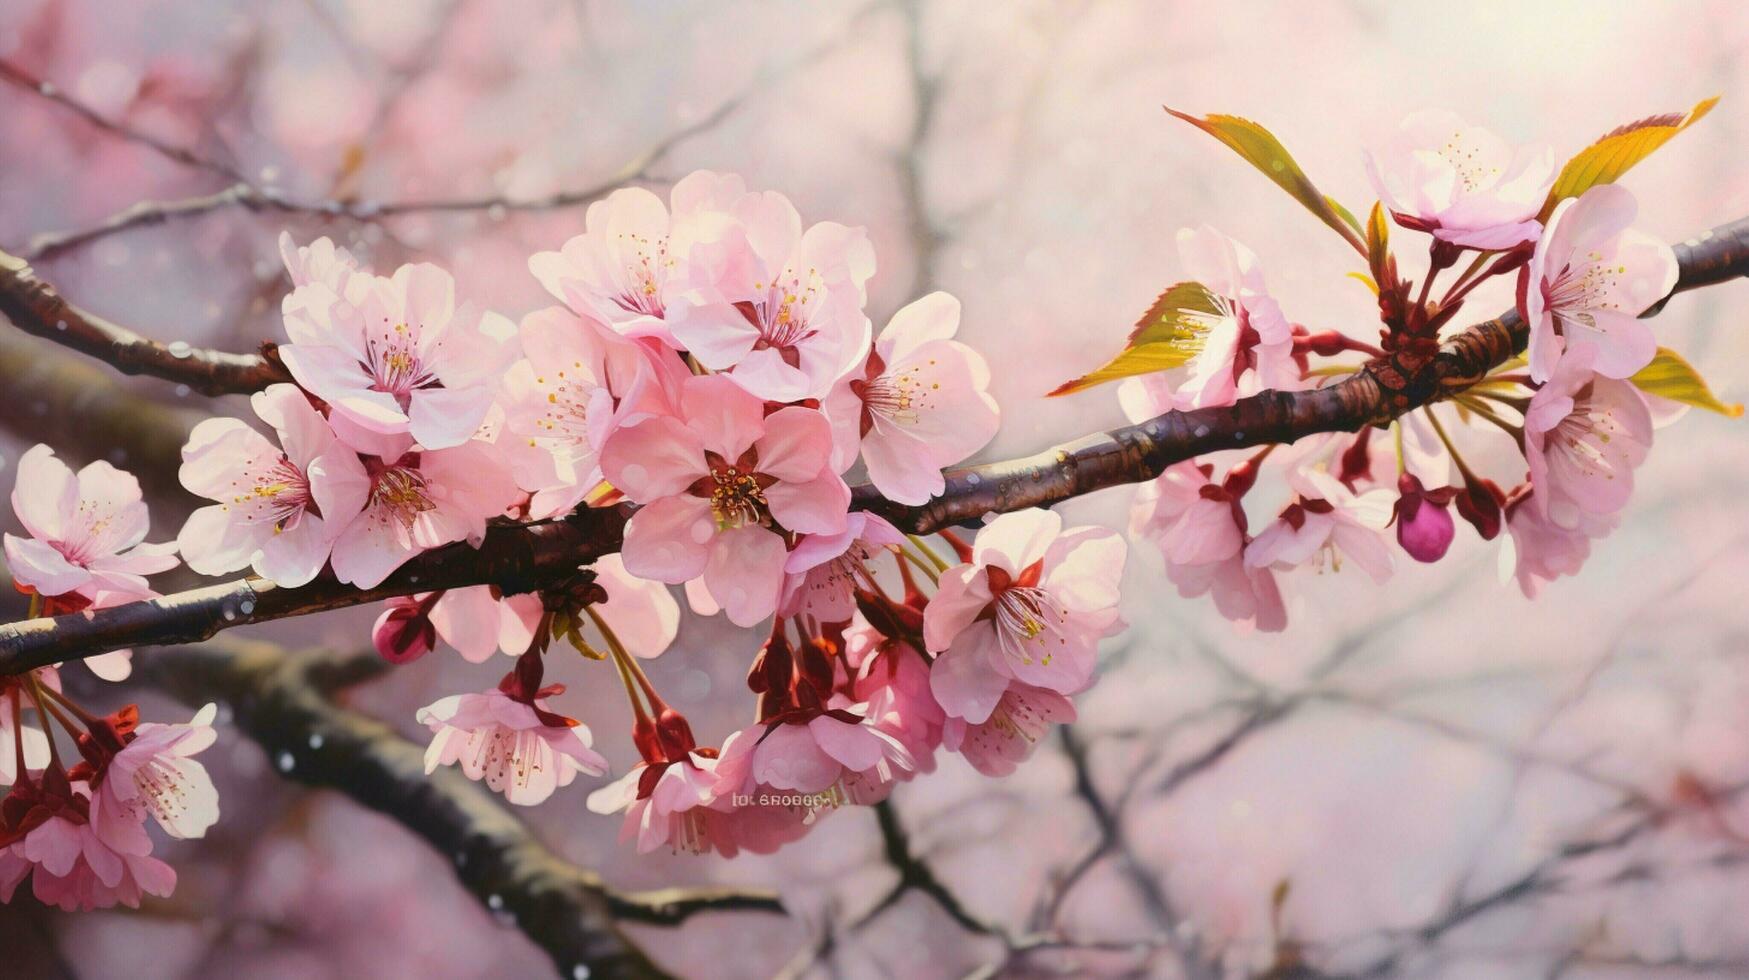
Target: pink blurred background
1451,780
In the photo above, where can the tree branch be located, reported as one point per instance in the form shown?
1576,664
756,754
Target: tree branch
36,308
521,558
282,702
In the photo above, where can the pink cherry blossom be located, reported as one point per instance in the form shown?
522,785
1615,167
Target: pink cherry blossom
774,307
1326,522
1191,518
509,738
279,509
1536,550
824,570
154,773
1246,594
1462,183
1000,743
85,530
579,381
630,263
1243,347
418,501
714,482
321,261
1589,280
70,865
1031,606
892,678
1584,434
394,355
671,803
919,404
812,755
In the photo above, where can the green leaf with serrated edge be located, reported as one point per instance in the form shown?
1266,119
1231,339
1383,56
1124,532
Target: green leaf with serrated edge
1262,150
1167,336
1671,377
1618,150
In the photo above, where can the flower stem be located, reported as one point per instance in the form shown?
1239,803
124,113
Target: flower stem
925,567
928,552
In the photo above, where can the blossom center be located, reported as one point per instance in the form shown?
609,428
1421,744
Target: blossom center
277,494
640,288
1470,172
1026,618
737,497
395,365
1574,293
402,493
783,316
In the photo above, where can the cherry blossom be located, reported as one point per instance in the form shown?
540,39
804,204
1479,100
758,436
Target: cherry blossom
421,500
1000,743
716,483
920,403
1246,594
1584,434
630,264
154,773
1191,518
892,678
1243,347
824,570
85,531
776,307
279,509
1325,522
1589,280
578,382
321,261
46,834
812,753
671,803
1030,606
394,355
1536,550
510,739
1462,183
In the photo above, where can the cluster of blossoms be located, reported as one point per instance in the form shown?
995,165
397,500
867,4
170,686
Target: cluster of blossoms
78,832
710,368
1584,276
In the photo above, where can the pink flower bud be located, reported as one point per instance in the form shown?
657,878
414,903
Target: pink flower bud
1424,526
404,632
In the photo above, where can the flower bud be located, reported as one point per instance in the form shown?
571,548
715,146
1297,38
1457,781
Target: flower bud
1424,526
1480,503
404,632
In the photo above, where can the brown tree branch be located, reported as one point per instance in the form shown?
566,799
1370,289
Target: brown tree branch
282,701
522,558
37,308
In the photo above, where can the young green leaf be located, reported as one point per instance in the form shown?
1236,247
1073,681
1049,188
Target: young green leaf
1618,150
1671,377
1262,150
1167,336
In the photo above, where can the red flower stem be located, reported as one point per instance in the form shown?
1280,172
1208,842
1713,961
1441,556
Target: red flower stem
84,716
958,544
